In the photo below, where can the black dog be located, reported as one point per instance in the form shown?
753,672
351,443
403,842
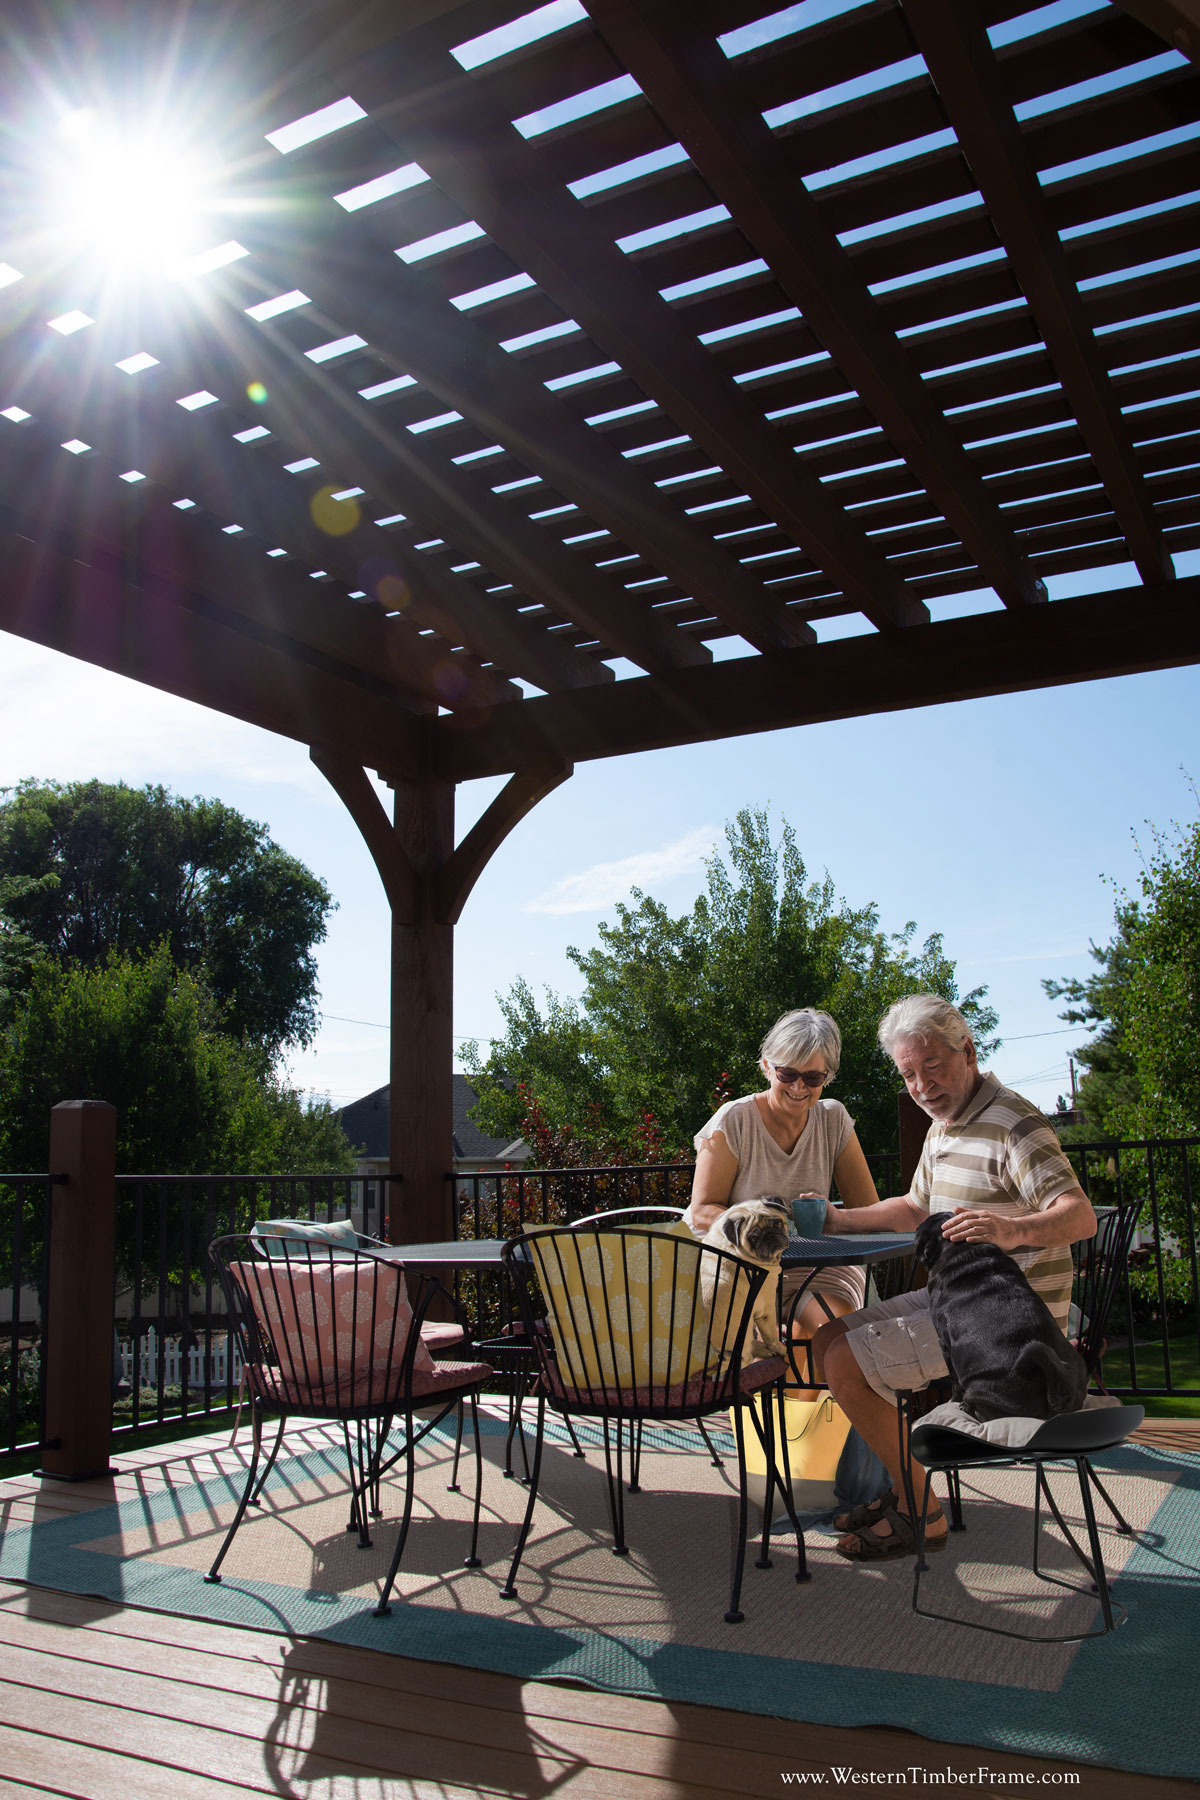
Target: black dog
1006,1356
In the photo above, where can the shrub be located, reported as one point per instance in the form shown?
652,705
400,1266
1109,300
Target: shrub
20,1411
1147,1307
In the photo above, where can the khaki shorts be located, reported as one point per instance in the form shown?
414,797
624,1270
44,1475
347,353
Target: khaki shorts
847,1284
895,1345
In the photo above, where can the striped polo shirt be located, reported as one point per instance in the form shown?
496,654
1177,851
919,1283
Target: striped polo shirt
1001,1154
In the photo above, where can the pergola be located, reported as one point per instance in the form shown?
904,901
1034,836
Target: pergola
555,374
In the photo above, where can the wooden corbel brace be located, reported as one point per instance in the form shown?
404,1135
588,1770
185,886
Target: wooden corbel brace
519,795
350,783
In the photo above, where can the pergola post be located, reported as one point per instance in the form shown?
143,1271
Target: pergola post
78,1327
914,1123
421,1106
427,879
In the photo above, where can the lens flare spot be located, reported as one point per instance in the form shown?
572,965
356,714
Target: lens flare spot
392,593
257,392
333,516
450,680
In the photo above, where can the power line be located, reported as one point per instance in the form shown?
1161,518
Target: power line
1063,1031
1055,1073
474,1036
374,1025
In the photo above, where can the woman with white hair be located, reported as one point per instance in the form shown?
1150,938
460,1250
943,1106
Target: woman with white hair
790,1141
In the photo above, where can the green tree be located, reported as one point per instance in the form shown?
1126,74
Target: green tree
109,868
674,1008
1143,1068
146,1037
1108,1084
189,1099
18,951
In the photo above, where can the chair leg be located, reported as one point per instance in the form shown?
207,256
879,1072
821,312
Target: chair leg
255,1498
920,1565
472,1561
452,1485
382,1428
1043,1487
410,1481
776,1480
954,1496
635,1456
1083,1468
516,1395
360,1463
903,1413
1094,1565
1121,1521
771,1479
801,1557
214,1574
508,1591
616,1488
571,1434
363,1458
735,1615
717,1461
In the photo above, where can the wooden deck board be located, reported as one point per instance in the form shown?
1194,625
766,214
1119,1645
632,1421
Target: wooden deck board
101,1702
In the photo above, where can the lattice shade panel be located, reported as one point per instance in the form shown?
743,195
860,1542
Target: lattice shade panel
528,350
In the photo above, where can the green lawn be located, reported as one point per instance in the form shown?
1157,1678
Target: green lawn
1185,1372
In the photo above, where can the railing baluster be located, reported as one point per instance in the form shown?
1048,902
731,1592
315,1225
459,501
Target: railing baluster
1190,1215
185,1298
499,1203
17,1266
1163,1334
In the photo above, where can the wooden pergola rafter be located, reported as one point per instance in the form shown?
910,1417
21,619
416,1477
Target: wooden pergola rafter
590,369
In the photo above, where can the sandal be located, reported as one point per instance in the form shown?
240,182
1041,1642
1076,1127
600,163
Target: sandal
867,1512
902,1542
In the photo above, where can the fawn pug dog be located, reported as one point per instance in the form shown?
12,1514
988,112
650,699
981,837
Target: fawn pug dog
1006,1356
758,1232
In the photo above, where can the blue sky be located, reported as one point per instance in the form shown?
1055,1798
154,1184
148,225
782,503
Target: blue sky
995,821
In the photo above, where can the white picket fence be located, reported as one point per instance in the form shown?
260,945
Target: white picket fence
167,1353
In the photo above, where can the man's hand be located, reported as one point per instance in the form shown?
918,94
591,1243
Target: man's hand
975,1225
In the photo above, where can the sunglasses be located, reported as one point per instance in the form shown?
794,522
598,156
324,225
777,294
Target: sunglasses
812,1078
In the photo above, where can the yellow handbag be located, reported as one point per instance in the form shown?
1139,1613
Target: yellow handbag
816,1436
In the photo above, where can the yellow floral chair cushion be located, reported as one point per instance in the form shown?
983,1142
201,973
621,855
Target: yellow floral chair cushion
625,1308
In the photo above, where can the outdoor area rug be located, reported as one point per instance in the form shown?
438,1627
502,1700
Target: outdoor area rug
843,1649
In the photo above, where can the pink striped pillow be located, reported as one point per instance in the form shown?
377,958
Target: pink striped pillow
334,1316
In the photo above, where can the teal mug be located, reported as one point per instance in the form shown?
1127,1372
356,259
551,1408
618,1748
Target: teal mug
808,1216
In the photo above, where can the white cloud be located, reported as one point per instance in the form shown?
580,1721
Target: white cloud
603,883
66,720
1027,956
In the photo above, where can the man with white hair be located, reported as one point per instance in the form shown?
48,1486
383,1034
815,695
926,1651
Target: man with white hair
993,1166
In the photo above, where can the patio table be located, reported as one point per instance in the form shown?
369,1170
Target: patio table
460,1253
512,1358
847,1247
820,1252
516,1359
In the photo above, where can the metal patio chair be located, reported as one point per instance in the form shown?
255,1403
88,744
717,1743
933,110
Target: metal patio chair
328,1332
623,1335
447,1340
1070,1438
658,1217
514,1358
1100,1265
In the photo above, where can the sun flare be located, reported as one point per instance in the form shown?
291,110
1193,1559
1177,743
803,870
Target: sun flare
134,199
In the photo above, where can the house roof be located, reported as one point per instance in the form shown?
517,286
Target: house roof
365,1123
606,339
